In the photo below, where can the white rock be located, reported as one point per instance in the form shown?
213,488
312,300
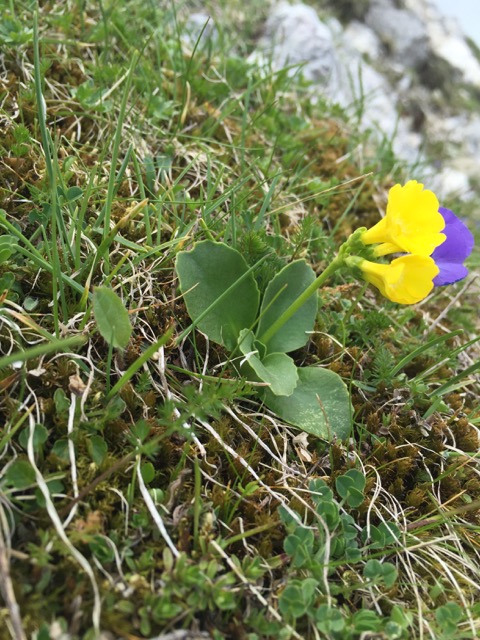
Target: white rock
294,36
450,182
394,106
363,39
447,40
402,30
472,139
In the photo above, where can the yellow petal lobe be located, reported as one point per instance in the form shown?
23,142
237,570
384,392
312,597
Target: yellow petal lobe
412,222
406,280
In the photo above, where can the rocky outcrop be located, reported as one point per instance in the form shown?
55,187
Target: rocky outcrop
399,67
412,69
446,40
401,31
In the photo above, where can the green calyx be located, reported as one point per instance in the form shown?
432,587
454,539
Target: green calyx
354,246
352,263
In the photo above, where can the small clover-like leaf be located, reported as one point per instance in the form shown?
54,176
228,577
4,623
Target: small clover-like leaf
20,474
366,621
350,487
448,616
390,574
329,620
329,512
373,570
299,546
401,616
290,519
73,193
386,533
353,554
297,597
97,448
8,246
350,531
320,491
377,572
40,436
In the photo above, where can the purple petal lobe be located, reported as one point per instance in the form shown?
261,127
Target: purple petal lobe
450,272
449,256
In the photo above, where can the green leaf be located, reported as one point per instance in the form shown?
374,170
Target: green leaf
401,616
448,616
114,408
377,572
319,405
353,554
290,519
390,574
40,435
297,597
30,304
373,570
60,449
97,448
20,474
276,369
348,526
101,549
366,621
148,472
6,281
73,193
141,430
329,620
111,317
8,246
284,289
319,491
329,512
299,546
383,535
350,487
207,272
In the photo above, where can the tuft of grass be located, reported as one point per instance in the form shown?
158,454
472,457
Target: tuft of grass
144,489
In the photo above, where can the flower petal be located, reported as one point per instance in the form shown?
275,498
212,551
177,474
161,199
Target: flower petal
450,255
412,222
450,272
405,280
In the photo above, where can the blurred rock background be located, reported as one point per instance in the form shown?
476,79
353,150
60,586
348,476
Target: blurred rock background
404,68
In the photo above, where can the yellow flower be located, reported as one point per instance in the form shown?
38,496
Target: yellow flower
405,280
412,222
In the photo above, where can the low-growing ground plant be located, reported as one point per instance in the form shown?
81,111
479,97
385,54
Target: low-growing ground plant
200,432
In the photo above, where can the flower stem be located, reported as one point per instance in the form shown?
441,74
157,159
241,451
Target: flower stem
302,298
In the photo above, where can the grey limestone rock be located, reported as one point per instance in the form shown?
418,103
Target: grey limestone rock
294,36
400,30
376,70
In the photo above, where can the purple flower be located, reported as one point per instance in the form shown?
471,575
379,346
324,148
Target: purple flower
449,256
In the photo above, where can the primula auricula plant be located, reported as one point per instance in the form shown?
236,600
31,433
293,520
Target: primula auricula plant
223,300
